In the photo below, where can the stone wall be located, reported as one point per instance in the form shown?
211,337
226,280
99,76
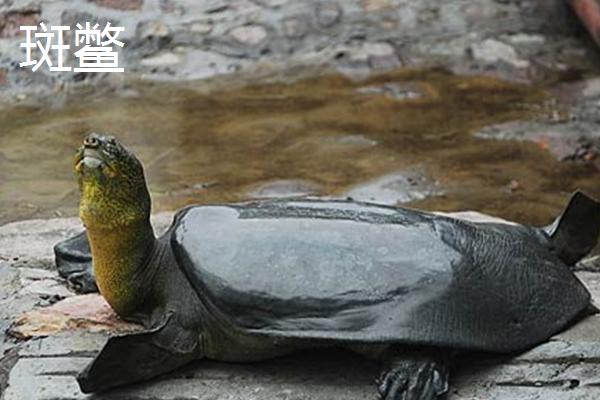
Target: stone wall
190,39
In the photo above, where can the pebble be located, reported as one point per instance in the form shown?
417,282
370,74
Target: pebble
491,51
251,35
328,13
159,60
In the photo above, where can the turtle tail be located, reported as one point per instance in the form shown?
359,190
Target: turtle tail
575,232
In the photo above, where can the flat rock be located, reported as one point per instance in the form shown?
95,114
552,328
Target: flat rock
396,90
396,188
88,312
30,243
284,188
350,140
564,141
251,35
161,60
491,51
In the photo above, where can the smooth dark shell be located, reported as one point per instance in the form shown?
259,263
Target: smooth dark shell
346,271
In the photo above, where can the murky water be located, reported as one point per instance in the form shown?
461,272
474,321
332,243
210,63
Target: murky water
329,133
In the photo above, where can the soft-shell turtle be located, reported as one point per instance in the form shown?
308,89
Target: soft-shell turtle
244,282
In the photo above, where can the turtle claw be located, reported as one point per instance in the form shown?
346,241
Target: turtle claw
413,379
82,282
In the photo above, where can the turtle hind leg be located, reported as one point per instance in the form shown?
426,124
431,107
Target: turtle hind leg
413,376
74,263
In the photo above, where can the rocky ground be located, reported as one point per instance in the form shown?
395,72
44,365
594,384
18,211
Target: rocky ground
53,333
526,40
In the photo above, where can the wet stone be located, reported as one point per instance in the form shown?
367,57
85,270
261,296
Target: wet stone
351,140
562,140
527,39
396,90
396,188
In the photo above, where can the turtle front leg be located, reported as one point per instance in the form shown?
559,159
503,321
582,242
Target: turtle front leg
74,263
141,356
413,376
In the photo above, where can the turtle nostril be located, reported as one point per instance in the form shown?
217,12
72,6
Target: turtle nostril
91,142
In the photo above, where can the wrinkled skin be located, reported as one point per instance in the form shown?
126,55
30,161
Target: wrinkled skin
252,281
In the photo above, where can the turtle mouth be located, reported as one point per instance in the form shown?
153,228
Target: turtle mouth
92,160
88,159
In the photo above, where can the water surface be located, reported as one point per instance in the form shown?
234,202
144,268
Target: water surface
203,146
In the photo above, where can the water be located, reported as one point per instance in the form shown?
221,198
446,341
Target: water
328,132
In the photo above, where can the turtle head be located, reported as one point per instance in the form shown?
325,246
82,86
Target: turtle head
111,182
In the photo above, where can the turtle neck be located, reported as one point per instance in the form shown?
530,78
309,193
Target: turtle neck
121,257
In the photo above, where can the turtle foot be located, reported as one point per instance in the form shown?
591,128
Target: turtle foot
415,378
74,263
82,282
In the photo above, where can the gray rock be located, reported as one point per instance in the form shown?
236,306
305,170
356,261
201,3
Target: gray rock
295,27
153,29
251,35
350,140
580,142
272,3
30,243
328,13
161,60
396,90
202,27
491,51
396,188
